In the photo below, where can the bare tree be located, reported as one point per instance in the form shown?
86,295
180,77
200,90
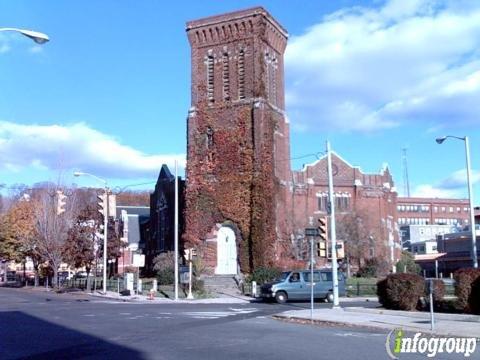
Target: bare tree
358,236
53,227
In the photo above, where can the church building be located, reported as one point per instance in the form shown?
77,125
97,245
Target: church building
244,206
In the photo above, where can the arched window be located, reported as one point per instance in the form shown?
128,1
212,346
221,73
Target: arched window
209,143
226,77
210,78
241,74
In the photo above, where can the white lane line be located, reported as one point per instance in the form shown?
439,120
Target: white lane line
217,314
359,335
244,311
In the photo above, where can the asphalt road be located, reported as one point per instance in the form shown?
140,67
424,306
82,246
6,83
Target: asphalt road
40,325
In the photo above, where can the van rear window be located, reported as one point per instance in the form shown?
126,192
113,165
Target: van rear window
316,276
327,276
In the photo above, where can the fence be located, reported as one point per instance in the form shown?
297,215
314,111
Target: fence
356,288
361,289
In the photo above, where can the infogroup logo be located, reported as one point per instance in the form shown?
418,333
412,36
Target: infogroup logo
426,344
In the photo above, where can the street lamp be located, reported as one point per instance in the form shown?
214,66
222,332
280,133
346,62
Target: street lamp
333,233
38,37
470,194
105,224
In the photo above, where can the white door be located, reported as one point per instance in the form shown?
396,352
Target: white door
226,252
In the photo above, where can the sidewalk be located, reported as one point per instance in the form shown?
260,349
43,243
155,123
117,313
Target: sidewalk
445,324
143,299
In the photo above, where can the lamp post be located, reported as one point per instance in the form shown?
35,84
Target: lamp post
333,233
470,194
38,37
105,225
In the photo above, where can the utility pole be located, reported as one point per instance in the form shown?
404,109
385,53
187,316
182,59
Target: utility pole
176,230
333,235
105,240
472,209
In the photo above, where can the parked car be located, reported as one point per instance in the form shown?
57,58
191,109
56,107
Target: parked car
81,275
295,285
11,275
65,275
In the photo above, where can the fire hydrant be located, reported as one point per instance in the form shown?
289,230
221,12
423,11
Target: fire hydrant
151,295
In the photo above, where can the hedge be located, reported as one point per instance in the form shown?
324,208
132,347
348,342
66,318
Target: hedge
401,291
264,275
464,279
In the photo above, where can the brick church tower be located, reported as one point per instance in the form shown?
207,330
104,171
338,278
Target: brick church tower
238,142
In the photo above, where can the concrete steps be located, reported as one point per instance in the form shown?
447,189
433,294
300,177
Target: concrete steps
221,284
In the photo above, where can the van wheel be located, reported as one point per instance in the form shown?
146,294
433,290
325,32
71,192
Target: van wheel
329,298
281,297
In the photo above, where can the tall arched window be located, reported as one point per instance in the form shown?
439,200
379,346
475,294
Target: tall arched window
241,74
226,77
210,78
209,143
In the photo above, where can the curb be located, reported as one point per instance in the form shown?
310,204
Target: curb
137,300
379,320
376,326
307,321
416,314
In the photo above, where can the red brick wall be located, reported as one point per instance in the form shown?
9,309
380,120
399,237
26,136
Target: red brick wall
370,194
231,176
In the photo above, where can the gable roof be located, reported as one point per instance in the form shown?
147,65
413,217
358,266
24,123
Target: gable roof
165,173
324,158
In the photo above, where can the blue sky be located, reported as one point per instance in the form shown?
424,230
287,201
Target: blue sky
109,93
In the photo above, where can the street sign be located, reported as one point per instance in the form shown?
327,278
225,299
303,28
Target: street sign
138,260
312,232
184,274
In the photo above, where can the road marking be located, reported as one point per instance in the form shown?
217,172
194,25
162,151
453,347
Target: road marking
217,314
90,315
244,311
359,335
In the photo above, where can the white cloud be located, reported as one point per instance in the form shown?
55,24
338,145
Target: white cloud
429,191
36,49
454,186
4,48
406,61
77,147
458,179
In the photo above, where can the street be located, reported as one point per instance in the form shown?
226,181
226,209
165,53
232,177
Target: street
41,325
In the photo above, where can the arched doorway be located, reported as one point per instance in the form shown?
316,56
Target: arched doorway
226,252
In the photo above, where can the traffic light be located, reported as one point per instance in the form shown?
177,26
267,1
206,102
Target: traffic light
102,204
61,202
340,250
323,228
321,248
